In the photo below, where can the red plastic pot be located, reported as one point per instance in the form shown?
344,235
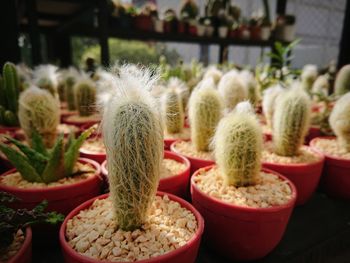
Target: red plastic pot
196,163
314,132
98,157
61,198
177,184
79,123
241,233
143,23
192,30
305,176
186,253
336,173
66,113
24,254
8,130
255,32
168,143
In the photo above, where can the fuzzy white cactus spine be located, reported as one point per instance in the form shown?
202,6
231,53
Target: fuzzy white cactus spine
205,111
339,121
181,88
40,111
238,146
231,90
269,101
172,111
133,136
214,73
291,121
308,76
46,77
251,86
321,85
342,81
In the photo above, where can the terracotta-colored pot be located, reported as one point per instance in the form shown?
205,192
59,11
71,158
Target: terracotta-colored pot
61,198
186,253
177,184
241,233
336,173
196,163
305,176
24,254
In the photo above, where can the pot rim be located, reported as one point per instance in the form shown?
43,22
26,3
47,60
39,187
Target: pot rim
53,188
25,246
196,237
226,205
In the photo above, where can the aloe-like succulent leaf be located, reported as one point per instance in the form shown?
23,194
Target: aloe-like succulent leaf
38,144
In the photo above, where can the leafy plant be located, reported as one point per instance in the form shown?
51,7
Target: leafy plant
12,220
38,164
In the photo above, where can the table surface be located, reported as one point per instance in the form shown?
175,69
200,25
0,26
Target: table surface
317,232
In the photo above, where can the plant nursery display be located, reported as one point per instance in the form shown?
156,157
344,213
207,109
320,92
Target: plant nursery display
336,150
56,174
16,234
236,195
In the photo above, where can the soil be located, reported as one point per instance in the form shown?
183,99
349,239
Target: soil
186,148
331,147
11,250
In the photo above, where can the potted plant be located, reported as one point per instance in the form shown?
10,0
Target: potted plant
173,112
144,20
9,94
133,136
285,28
56,175
85,99
265,27
342,81
245,219
174,176
188,12
170,21
285,154
336,150
205,111
15,231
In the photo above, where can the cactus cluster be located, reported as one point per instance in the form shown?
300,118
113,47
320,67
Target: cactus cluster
238,146
37,164
85,97
205,111
342,81
9,93
291,121
339,121
231,90
133,137
172,110
268,102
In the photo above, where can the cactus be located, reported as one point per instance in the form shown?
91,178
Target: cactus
238,146
321,85
45,77
342,81
85,97
213,73
39,110
308,76
181,88
339,121
291,121
9,93
70,97
133,136
37,164
231,90
172,111
251,86
205,111
269,101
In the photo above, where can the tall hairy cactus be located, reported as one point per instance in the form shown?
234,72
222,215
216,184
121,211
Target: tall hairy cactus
269,101
321,85
85,97
308,76
251,86
133,136
238,146
213,73
291,121
205,111
340,121
231,89
182,89
342,81
172,111
9,93
69,90
39,111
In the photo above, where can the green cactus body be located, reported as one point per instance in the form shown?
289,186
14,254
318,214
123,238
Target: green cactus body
39,110
342,81
339,121
205,111
11,84
62,91
173,112
85,97
133,136
238,146
69,90
269,101
231,90
291,122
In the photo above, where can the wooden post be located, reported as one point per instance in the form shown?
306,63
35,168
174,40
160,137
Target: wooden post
34,33
9,29
344,51
103,31
223,54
